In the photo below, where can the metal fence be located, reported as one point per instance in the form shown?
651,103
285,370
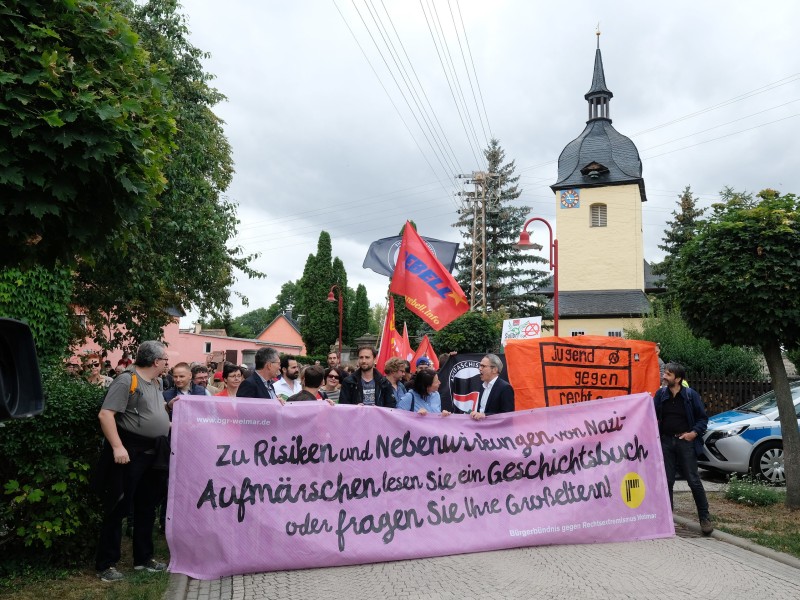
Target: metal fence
721,394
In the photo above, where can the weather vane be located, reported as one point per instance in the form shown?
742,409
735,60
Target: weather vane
598,34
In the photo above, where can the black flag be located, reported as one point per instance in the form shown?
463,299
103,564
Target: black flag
382,254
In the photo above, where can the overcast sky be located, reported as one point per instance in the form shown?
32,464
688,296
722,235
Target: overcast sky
708,91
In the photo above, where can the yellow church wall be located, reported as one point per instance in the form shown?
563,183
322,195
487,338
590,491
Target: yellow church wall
566,327
601,258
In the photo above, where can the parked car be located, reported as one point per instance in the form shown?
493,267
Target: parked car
748,439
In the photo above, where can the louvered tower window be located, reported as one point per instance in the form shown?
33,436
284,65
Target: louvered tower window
599,214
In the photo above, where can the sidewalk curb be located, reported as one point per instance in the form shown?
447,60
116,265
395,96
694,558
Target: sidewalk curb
740,542
178,583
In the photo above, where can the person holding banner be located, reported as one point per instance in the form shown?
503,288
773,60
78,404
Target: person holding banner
497,395
394,369
259,384
367,386
682,421
424,397
132,471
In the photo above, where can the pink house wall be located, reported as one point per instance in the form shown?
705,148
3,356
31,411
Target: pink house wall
281,329
185,346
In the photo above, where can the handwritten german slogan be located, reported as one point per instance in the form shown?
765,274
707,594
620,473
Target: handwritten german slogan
258,487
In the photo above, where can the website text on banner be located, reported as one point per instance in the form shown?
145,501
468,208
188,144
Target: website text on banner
555,371
258,487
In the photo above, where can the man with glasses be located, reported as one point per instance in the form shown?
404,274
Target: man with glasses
497,395
134,460
259,384
395,369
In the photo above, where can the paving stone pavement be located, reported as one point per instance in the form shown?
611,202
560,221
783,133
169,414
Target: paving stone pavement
705,567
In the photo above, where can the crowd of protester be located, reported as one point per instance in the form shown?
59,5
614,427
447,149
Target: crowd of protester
135,417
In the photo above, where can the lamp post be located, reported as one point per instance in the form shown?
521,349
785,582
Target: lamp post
332,298
524,243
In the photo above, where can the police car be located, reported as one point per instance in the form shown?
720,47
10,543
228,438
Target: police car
748,439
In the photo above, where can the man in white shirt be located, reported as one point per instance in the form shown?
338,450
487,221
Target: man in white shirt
289,383
497,395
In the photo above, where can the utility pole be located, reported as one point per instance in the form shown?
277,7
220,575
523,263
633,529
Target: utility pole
480,179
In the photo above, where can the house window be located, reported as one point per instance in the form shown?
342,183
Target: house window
208,348
615,333
576,332
599,215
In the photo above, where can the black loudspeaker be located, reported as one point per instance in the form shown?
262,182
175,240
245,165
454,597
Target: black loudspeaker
20,382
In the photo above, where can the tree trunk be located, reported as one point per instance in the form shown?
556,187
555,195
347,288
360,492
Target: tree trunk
788,421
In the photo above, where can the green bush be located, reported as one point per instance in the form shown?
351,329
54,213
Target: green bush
746,490
698,355
47,512
471,332
794,356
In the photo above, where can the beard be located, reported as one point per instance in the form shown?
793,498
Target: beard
291,376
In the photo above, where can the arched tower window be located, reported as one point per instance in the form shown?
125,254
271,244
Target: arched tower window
599,215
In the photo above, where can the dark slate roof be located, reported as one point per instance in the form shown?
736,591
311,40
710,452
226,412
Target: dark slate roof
600,143
601,303
652,283
598,79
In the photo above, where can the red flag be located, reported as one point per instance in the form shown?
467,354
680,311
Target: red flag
390,340
406,351
430,290
425,349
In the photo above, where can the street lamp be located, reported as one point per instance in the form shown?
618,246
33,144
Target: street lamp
524,243
332,298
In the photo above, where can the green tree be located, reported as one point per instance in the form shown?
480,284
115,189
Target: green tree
697,354
40,297
256,320
680,230
319,325
178,256
377,317
471,332
85,128
512,279
736,282
359,323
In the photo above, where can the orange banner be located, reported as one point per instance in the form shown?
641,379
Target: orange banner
557,370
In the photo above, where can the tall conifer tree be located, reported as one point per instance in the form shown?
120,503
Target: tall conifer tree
681,229
512,276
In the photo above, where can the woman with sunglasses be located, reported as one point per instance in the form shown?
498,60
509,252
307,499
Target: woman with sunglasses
333,383
232,378
94,374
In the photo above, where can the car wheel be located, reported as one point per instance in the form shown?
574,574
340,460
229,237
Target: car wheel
767,463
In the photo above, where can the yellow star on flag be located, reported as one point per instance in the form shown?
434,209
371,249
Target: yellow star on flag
457,298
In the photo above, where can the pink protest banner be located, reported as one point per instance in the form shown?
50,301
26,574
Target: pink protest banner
259,487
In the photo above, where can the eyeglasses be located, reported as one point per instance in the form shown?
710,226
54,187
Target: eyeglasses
333,377
164,358
94,364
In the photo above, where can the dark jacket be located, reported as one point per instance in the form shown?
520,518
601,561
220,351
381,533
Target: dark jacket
695,411
352,392
253,387
501,398
195,390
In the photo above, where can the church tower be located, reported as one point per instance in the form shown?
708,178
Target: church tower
599,195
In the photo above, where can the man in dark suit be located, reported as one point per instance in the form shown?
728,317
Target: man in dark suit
497,395
259,384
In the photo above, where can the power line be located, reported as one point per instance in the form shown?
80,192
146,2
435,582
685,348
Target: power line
455,73
452,166
449,85
421,87
399,114
466,68
477,81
